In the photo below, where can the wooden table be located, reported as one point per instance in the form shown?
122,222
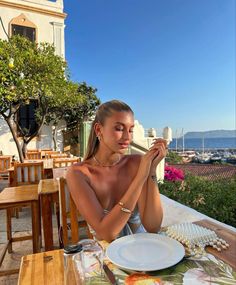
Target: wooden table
229,256
17,197
47,267
48,194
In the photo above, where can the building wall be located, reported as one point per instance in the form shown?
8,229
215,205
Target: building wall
50,26
140,139
8,146
48,17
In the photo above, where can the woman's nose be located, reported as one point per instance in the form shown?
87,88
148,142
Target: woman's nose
127,135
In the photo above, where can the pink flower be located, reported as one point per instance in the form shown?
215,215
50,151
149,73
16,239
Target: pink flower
173,174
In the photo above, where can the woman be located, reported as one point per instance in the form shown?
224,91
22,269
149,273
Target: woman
115,192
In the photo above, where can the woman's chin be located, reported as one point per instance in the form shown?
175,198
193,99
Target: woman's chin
121,151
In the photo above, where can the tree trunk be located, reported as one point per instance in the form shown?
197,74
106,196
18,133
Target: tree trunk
26,140
24,147
14,135
54,138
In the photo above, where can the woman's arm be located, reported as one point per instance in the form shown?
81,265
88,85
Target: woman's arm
150,208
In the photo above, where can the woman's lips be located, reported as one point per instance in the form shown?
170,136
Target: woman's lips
124,145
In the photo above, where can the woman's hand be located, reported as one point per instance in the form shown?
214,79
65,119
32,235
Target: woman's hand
146,162
159,146
151,158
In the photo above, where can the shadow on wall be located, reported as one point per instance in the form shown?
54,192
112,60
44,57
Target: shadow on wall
44,140
4,129
7,144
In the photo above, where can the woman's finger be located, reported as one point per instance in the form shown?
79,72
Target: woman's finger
157,146
161,153
159,140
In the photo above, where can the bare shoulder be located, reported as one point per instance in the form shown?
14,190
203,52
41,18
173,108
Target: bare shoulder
79,170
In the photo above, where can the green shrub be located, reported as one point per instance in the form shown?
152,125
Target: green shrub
216,199
173,158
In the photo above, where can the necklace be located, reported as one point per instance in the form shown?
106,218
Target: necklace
106,165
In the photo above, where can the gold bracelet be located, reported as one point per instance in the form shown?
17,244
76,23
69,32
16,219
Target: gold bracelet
123,209
128,211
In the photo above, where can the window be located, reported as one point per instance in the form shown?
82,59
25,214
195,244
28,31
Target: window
27,32
26,118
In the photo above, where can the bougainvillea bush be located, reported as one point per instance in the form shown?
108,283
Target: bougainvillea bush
173,174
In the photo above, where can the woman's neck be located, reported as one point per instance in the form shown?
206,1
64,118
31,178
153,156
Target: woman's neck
107,162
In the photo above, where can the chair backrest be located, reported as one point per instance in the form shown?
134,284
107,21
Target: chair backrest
5,163
64,162
48,153
33,155
46,149
28,173
70,219
59,155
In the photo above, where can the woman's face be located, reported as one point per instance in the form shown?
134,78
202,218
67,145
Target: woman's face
117,131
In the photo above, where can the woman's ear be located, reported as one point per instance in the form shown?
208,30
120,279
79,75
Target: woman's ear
97,129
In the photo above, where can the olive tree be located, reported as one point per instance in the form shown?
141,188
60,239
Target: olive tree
73,109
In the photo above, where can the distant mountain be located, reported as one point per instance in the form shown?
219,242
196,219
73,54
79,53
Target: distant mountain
211,134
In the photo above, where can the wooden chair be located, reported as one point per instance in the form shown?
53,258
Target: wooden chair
64,162
44,151
59,155
28,173
47,154
70,219
16,197
24,174
33,155
5,163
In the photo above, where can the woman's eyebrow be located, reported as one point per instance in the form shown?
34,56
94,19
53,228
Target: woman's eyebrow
120,123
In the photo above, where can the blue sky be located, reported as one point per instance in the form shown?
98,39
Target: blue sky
172,61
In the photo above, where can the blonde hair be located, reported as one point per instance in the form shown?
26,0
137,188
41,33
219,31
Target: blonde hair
104,111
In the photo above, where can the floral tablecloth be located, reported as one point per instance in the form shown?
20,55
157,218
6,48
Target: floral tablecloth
192,270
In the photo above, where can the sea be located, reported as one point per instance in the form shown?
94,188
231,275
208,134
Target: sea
206,143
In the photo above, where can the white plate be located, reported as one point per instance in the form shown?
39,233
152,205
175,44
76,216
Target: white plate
145,252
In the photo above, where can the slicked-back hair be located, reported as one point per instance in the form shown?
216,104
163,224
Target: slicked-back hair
104,111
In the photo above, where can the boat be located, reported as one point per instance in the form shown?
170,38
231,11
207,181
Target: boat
187,155
215,158
203,157
231,159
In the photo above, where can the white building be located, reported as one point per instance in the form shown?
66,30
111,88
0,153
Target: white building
40,21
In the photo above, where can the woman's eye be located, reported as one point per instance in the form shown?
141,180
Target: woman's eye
119,129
